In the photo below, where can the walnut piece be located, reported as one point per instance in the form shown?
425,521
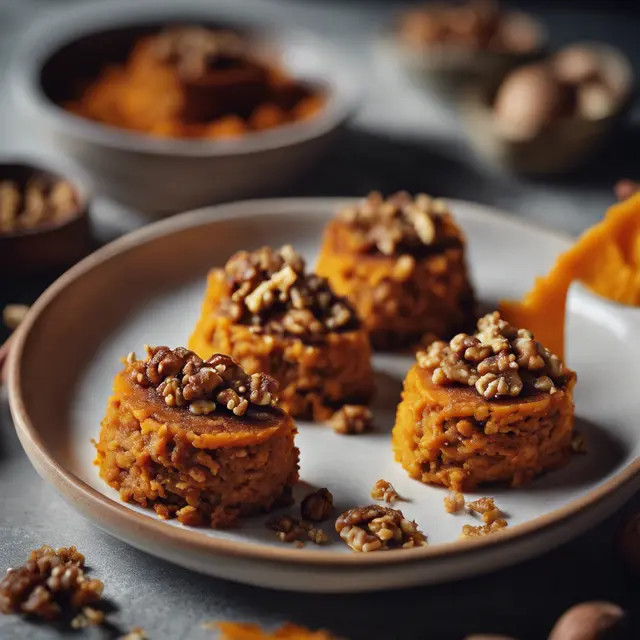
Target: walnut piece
400,225
49,583
271,291
578,443
290,529
385,491
39,201
377,528
487,508
351,419
499,360
183,379
317,506
470,531
455,503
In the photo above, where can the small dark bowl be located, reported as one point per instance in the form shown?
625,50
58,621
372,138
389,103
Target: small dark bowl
48,247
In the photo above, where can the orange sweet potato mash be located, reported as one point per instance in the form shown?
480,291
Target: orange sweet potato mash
454,437
606,258
243,631
203,470
233,96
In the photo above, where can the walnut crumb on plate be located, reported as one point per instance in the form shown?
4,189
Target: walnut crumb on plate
454,503
470,531
317,506
383,490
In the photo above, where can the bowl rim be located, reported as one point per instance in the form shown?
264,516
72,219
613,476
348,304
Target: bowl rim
50,33
62,168
72,487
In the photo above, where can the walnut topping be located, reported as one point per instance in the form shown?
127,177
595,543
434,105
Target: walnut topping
578,443
351,419
40,201
469,531
183,379
455,503
377,528
384,490
194,50
499,360
271,291
400,224
49,581
317,506
290,529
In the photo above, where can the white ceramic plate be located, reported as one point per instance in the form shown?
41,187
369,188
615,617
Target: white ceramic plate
147,288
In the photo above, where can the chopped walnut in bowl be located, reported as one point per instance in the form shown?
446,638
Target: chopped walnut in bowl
378,528
183,379
272,292
401,224
499,360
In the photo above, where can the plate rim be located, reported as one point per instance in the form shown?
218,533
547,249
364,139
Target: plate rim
83,496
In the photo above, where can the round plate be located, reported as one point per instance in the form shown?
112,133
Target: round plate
147,288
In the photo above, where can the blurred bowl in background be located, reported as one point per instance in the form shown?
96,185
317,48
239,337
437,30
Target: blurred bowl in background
446,47
550,117
49,240
163,175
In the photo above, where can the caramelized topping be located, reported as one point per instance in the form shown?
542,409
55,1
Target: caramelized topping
400,224
183,379
499,360
271,291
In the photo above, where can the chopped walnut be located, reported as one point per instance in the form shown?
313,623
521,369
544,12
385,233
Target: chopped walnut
317,506
351,419
578,443
400,224
385,491
137,633
487,508
48,583
470,531
89,617
271,291
14,314
290,529
455,503
377,528
39,201
183,379
499,360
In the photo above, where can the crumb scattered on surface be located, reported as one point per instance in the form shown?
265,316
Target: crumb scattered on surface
49,584
290,529
13,315
383,490
454,503
470,531
377,528
351,419
485,507
317,506
288,631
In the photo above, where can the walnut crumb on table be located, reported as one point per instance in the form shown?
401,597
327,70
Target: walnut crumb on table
50,584
351,419
487,508
383,490
377,528
137,633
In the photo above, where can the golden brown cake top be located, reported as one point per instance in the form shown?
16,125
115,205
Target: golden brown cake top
184,379
271,291
401,224
498,360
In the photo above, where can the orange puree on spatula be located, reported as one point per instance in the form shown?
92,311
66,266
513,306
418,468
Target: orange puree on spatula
606,258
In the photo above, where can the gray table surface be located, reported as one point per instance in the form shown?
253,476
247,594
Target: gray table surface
402,138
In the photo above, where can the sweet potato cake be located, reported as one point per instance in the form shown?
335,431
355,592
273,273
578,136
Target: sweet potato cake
495,406
401,263
270,315
197,440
